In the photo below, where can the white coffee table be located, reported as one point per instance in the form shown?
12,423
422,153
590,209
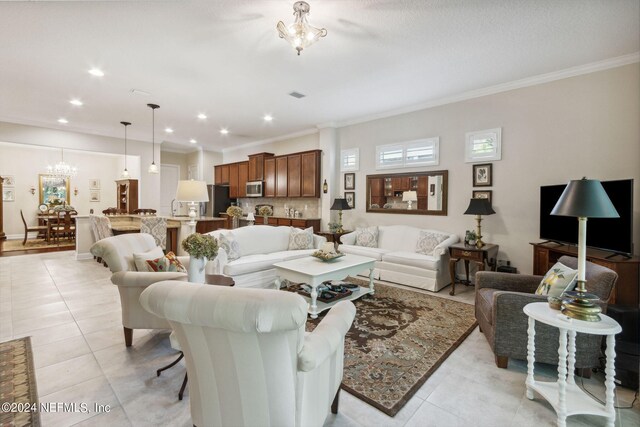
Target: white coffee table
313,272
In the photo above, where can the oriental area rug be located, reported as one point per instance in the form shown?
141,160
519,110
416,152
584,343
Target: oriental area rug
397,340
18,384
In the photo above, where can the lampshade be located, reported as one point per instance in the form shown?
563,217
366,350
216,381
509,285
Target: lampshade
479,207
340,205
585,198
250,217
192,191
409,196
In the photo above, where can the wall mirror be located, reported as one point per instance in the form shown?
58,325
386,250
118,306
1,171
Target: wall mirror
54,190
416,193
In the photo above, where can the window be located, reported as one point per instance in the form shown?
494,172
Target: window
350,159
483,145
419,152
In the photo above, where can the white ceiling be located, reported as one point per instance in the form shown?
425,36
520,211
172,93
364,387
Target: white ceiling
224,58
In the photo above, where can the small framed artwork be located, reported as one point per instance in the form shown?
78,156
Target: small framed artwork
8,195
483,194
349,181
94,195
8,180
351,198
483,175
94,184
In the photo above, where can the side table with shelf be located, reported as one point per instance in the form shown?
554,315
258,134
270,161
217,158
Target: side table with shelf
460,251
333,236
565,396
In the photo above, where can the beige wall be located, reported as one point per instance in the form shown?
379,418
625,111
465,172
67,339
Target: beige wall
173,158
284,146
209,160
551,133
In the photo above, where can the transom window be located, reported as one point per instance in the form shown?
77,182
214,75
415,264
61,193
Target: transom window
350,159
419,152
483,145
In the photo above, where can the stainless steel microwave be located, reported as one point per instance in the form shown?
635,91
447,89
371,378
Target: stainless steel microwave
254,189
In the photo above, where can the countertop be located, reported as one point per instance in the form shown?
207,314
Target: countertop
244,218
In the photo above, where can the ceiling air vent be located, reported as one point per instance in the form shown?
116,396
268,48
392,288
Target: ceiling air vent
297,94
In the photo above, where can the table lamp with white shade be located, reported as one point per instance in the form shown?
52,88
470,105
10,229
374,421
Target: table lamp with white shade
192,192
409,197
583,198
251,219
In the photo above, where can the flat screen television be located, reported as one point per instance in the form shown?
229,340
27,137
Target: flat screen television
612,234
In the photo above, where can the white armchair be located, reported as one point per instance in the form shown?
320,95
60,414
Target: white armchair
117,252
248,358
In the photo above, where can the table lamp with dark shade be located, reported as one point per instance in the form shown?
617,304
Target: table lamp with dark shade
583,198
340,205
479,207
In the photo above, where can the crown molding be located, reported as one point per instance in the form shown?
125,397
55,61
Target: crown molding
271,140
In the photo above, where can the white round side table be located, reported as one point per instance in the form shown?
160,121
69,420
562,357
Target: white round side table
564,395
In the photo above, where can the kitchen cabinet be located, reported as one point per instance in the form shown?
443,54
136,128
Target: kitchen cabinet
293,175
270,177
233,180
256,166
127,195
281,177
221,174
243,177
400,183
217,175
310,172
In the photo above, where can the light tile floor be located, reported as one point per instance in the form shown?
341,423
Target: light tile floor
72,313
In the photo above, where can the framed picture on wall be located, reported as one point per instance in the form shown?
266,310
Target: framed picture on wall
8,180
483,175
482,194
94,184
94,195
349,181
8,195
351,198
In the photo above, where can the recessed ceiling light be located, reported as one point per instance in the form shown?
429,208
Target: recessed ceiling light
76,102
268,117
96,72
63,120
193,141
224,131
202,116
168,130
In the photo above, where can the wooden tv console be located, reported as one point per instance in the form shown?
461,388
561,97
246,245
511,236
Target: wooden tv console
627,287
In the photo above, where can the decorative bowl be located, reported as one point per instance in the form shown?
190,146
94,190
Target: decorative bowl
327,257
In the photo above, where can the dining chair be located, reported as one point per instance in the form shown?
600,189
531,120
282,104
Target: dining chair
64,226
38,228
157,227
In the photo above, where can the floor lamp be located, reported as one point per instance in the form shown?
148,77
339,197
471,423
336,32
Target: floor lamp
192,192
583,198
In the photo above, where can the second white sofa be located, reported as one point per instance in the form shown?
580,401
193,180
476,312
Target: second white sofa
398,261
260,247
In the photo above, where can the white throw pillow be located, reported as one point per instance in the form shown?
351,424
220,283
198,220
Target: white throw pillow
230,245
428,240
558,279
367,236
301,239
140,259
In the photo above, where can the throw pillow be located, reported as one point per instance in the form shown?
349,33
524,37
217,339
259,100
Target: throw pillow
557,280
428,240
140,259
230,245
367,236
301,239
169,263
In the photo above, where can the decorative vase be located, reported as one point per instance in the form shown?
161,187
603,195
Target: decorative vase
196,269
265,218
235,222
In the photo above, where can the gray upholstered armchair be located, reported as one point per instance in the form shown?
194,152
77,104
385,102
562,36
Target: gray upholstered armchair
500,298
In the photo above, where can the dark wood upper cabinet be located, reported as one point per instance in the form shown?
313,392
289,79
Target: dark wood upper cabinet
270,177
281,177
233,181
256,166
217,175
293,175
311,174
243,177
224,174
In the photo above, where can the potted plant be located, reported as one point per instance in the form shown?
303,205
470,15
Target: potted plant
235,212
265,211
201,248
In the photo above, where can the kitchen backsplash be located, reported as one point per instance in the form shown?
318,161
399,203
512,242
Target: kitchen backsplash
307,208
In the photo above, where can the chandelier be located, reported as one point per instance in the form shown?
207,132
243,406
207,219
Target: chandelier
62,169
300,34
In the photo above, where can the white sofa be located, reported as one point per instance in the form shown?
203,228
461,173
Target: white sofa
397,260
260,247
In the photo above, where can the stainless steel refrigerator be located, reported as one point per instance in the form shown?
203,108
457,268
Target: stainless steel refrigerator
218,202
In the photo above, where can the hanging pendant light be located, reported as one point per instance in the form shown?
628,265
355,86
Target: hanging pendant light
125,172
62,169
153,168
300,34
